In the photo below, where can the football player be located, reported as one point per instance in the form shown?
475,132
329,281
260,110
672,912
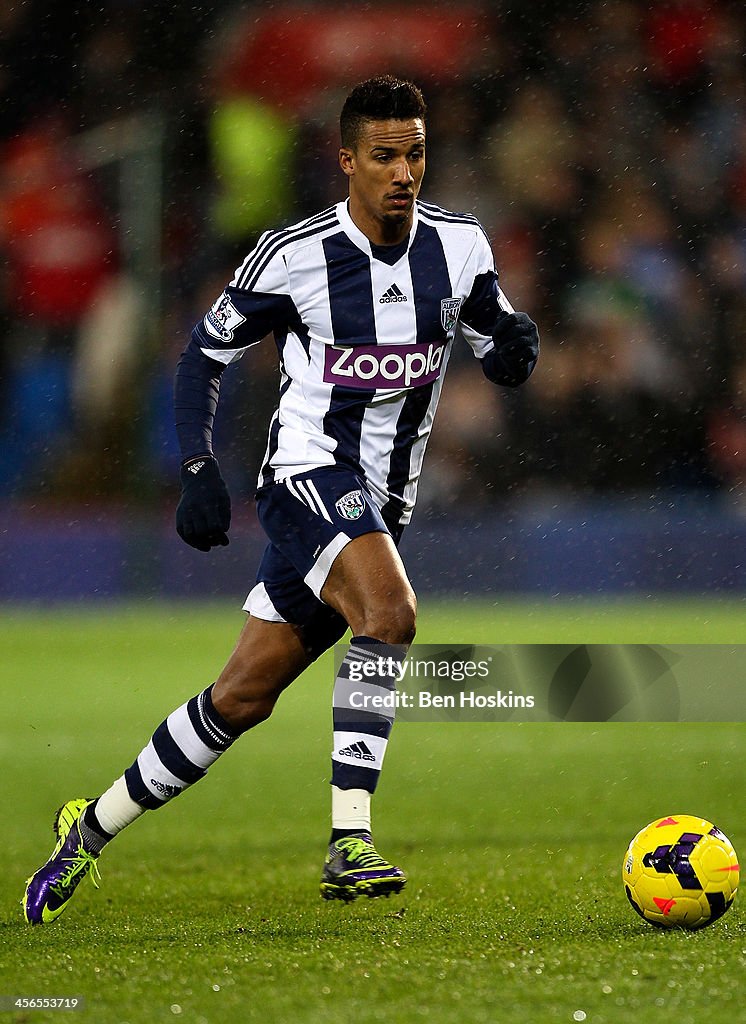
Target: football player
365,301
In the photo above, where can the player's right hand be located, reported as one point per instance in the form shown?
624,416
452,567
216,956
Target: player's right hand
203,516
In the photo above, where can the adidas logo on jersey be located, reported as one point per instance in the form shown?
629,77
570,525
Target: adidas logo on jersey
393,294
359,751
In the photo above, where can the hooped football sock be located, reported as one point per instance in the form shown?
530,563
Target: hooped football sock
363,712
181,750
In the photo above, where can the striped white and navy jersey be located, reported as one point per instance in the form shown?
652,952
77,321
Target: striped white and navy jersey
364,335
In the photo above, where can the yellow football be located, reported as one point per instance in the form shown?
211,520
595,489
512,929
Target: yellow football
680,871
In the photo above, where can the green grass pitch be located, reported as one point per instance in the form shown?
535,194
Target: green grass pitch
512,836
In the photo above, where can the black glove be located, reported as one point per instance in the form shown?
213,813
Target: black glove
204,513
516,350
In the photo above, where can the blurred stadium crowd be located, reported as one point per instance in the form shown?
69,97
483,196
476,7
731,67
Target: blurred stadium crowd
602,145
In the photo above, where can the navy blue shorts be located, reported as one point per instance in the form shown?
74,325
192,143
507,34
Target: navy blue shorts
309,519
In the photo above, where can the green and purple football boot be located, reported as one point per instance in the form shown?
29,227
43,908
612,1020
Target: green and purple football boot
353,868
49,890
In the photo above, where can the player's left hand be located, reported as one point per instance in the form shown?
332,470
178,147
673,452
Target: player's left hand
204,513
516,350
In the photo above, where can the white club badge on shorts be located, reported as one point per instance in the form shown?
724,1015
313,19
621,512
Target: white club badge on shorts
351,505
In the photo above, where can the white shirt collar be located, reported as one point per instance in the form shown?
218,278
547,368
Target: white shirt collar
356,235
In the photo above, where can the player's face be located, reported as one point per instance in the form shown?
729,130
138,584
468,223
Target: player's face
385,170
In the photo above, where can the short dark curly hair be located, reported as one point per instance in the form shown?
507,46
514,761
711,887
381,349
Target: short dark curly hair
379,99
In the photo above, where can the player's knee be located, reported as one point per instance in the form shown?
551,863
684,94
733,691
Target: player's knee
393,622
406,620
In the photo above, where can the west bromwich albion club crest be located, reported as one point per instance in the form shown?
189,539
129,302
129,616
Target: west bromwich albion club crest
351,505
449,311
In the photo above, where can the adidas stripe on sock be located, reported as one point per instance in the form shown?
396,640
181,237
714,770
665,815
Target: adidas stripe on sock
361,735
181,750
